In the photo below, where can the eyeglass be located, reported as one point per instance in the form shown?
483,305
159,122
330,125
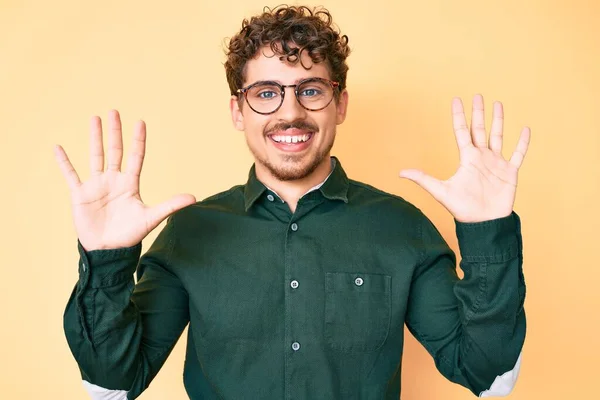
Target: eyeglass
266,97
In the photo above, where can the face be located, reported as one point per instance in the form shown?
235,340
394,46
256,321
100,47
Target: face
311,133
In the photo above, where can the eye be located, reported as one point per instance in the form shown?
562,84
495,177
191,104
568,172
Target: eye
267,95
310,92
264,92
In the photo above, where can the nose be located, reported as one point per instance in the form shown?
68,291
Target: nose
291,109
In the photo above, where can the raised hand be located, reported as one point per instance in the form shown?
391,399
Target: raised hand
484,186
108,211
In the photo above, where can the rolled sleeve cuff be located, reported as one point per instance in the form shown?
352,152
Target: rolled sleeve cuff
490,241
102,268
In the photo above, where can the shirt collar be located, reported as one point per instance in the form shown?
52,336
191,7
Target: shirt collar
334,187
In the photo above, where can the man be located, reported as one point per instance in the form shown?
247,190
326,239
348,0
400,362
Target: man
297,284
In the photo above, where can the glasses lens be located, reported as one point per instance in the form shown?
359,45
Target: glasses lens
315,94
264,97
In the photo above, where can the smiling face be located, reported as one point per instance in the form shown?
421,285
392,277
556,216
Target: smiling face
293,142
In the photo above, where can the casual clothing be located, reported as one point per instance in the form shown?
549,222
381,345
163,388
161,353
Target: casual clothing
303,305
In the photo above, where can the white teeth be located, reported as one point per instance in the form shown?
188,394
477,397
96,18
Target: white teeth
290,139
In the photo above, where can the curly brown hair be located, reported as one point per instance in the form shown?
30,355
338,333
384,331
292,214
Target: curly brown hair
288,31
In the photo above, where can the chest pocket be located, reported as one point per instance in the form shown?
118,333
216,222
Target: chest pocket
357,311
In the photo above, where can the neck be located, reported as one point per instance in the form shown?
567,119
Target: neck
292,191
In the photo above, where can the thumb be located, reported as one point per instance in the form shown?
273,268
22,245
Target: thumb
429,183
161,211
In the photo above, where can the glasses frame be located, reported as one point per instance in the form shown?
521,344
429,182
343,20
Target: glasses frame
334,85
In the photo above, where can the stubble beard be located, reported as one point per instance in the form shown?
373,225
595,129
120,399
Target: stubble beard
293,167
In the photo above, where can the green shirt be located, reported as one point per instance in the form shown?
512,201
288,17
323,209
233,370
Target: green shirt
303,305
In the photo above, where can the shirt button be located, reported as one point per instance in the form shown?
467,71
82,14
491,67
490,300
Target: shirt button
270,197
84,267
294,284
294,227
358,281
295,346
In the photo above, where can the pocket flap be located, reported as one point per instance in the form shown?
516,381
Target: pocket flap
357,282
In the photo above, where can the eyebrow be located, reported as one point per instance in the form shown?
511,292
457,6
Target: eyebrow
279,82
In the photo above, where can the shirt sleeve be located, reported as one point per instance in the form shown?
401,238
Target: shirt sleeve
120,332
474,327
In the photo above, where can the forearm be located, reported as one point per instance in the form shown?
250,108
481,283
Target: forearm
473,327
121,333
491,296
102,324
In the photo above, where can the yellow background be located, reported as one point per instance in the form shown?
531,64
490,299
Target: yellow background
63,61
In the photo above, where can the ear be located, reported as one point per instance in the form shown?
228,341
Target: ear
236,113
342,107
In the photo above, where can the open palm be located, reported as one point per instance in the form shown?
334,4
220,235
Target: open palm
484,186
108,211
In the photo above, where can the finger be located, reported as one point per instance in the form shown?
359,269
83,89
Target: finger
115,141
161,211
66,167
497,128
519,154
459,122
138,150
478,123
429,183
96,147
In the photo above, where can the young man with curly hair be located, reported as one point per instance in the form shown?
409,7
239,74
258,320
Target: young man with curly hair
298,283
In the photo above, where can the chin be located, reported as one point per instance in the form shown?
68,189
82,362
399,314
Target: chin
292,168
291,173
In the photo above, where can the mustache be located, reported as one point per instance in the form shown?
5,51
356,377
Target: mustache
299,124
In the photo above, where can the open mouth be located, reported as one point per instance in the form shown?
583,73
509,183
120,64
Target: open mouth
297,141
291,139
